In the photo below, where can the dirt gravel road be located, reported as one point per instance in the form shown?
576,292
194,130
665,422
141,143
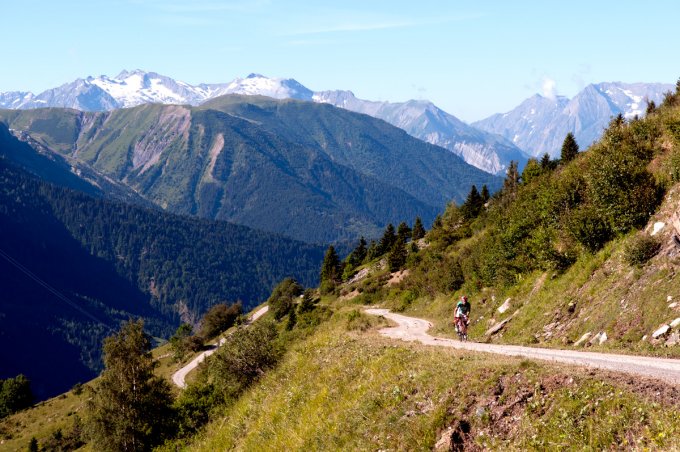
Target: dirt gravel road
179,377
414,329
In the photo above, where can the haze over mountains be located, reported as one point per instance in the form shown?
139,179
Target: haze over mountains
539,124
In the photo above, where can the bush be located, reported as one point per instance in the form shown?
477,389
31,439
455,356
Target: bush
357,320
193,407
641,248
15,395
244,357
219,318
281,301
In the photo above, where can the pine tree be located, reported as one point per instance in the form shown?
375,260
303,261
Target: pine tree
397,257
387,240
512,178
651,107
131,407
373,251
404,231
473,204
485,194
546,164
330,270
360,251
569,148
418,229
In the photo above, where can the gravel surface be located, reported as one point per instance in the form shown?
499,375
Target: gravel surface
413,329
179,377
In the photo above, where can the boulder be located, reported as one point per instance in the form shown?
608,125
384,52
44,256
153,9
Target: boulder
658,226
603,337
583,339
673,339
599,338
672,305
505,306
675,323
661,331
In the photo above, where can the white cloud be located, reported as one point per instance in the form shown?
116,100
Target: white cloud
548,86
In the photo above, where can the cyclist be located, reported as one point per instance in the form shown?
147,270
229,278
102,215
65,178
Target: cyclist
461,317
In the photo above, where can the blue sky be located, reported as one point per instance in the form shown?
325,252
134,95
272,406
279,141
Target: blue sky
471,58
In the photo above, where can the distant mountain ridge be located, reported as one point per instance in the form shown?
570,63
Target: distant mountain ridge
539,124
310,171
421,119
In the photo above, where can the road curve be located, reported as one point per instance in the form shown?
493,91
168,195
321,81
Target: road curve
179,377
413,329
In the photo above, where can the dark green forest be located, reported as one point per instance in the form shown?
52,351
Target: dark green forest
112,261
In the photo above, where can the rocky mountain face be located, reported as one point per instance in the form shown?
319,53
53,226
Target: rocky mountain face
424,120
309,171
539,124
420,119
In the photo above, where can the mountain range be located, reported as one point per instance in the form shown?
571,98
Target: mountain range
310,171
421,119
539,124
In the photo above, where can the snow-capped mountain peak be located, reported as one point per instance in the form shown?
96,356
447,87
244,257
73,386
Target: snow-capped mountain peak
539,124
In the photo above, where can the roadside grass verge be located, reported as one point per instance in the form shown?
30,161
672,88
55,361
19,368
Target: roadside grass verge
354,390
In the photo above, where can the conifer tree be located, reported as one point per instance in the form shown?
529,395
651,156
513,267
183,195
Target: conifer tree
473,204
546,164
330,270
485,194
418,229
131,407
404,231
387,240
372,251
569,148
512,178
397,256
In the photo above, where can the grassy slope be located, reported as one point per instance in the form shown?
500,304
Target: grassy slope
372,393
607,295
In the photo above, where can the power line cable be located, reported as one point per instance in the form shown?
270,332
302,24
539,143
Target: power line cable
51,289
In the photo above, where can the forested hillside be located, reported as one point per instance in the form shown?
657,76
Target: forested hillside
115,260
312,172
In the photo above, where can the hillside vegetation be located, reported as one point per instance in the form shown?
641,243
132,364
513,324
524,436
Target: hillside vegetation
567,250
312,172
567,247
86,255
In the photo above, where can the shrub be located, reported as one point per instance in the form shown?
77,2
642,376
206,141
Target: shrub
15,395
281,300
219,318
357,320
244,357
641,248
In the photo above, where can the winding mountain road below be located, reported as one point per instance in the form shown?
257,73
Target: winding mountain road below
179,377
413,329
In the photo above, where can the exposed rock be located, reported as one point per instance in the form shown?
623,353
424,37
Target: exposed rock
361,274
674,339
675,323
497,327
669,298
603,337
662,330
454,437
658,226
673,306
505,306
583,339
644,338
595,339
